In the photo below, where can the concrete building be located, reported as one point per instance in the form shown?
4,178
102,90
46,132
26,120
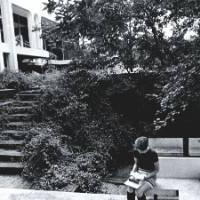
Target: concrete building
20,31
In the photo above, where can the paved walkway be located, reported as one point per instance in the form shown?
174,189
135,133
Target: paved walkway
13,181
189,189
9,190
16,194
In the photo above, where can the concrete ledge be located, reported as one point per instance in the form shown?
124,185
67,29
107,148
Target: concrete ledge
18,194
179,167
59,62
32,52
194,146
167,145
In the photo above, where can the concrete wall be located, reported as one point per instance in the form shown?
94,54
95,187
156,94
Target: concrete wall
167,145
179,167
194,146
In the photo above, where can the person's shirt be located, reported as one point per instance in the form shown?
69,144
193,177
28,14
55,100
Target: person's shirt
146,160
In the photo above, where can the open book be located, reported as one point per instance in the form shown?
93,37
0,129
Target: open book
135,181
138,175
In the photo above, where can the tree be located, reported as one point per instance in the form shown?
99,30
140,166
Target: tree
111,31
132,33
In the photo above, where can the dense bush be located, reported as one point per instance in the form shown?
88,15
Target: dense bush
22,81
18,81
52,164
93,138
42,151
179,101
78,102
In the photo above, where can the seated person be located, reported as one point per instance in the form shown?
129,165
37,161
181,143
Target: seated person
145,169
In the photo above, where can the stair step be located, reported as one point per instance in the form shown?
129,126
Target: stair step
26,97
11,167
11,164
36,91
20,117
18,125
14,134
25,103
6,103
35,88
10,155
7,93
20,109
11,144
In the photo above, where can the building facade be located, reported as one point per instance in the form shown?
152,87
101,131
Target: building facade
20,34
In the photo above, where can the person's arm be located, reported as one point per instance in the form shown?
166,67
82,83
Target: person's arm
156,164
135,166
134,169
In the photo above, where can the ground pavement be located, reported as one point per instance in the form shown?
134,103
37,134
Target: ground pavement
9,190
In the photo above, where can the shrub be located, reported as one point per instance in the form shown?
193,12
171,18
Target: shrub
93,138
18,81
50,165
41,151
79,104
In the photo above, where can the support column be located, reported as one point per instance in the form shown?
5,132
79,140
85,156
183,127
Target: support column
186,146
30,32
8,29
39,32
2,64
40,40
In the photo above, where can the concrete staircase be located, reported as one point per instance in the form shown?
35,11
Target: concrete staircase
18,114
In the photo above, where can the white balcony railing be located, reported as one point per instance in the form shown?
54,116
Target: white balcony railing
22,43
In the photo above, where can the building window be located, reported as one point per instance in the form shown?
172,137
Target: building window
1,28
21,30
5,57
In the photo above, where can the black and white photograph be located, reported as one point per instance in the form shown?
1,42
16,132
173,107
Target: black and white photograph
100,99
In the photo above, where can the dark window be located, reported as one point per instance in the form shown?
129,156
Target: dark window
1,28
21,30
5,57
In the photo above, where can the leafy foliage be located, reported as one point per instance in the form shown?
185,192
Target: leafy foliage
42,151
12,80
129,33
178,95
91,137
51,164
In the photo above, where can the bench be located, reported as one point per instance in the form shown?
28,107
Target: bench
162,194
154,194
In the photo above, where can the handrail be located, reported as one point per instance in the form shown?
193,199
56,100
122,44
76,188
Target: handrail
26,44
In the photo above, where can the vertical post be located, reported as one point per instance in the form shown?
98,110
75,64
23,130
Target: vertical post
177,193
0,36
155,197
186,146
2,64
30,32
21,40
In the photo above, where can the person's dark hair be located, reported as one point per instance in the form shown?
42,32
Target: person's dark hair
141,143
